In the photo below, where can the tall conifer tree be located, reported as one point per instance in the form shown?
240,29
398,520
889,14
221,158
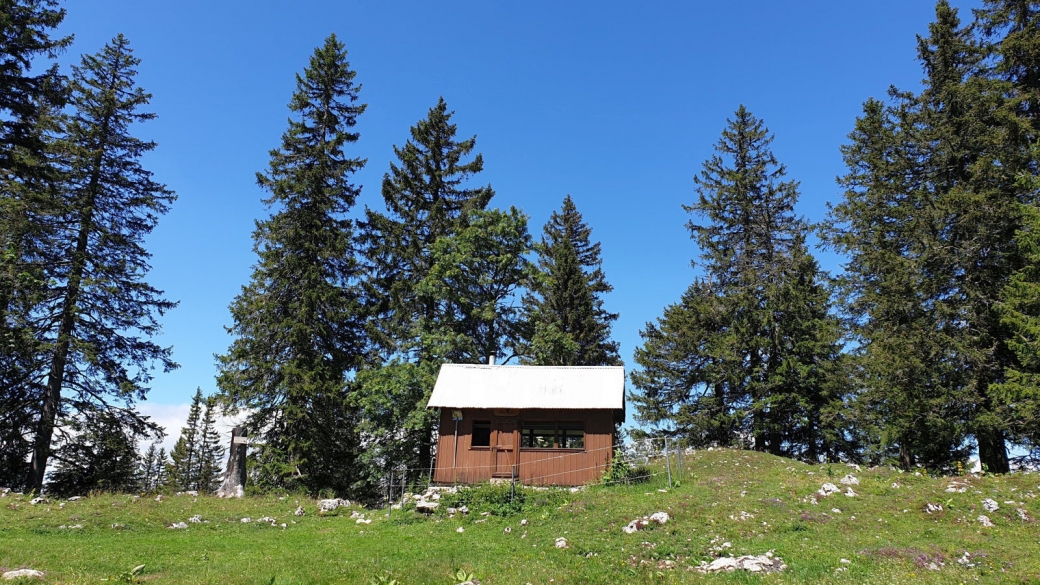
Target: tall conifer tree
748,354
415,327
564,320
298,323
929,220
101,313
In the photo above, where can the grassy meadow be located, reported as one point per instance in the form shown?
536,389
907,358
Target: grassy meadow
729,502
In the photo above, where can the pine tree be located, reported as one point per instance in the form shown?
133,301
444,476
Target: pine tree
748,355
186,458
30,104
929,219
152,473
564,320
428,198
298,323
100,310
211,451
99,455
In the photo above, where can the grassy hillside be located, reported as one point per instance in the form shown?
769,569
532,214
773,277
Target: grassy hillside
753,502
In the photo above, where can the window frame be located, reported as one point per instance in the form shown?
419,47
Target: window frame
472,435
556,427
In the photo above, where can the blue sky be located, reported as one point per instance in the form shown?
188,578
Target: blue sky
617,104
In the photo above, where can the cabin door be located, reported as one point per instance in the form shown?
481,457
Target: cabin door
505,448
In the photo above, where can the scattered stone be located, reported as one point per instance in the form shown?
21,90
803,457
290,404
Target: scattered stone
61,505
895,485
990,505
188,493
1022,514
766,563
561,542
932,508
985,521
507,530
665,565
178,525
246,520
331,505
426,507
23,574
39,500
836,510
299,511
641,523
460,530
158,498
267,520
196,519
463,509
523,522
845,561
366,521
956,487
75,498
741,517
849,480
118,526
828,489
966,560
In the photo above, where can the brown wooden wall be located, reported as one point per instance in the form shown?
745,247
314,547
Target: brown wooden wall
463,463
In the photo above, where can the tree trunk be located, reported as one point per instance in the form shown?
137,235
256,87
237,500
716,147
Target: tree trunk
56,376
993,451
906,456
234,483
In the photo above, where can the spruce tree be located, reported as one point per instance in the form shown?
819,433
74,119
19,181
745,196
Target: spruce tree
298,323
929,218
428,197
748,354
186,456
211,451
99,455
564,320
31,94
100,313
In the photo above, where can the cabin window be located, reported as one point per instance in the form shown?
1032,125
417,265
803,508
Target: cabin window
551,435
481,433
538,435
572,436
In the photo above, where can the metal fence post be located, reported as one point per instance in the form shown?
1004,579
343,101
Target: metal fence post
667,462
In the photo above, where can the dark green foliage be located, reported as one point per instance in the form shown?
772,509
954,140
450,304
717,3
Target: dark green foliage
929,219
153,469
99,313
749,355
427,198
29,202
441,272
473,278
196,456
298,323
564,321
100,454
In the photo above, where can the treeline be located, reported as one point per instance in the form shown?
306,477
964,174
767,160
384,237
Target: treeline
341,329
927,346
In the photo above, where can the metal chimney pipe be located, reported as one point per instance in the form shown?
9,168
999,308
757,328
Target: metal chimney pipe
491,360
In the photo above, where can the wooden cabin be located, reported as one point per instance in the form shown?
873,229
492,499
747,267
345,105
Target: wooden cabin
542,425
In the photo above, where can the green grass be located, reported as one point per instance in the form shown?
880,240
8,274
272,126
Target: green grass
884,532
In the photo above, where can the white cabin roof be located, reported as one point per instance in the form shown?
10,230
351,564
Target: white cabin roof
564,387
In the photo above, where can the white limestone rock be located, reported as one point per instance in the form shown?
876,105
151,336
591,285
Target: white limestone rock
23,574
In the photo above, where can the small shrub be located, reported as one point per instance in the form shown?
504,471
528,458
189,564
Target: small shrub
621,472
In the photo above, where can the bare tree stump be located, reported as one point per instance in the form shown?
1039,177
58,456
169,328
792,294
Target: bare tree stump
234,483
